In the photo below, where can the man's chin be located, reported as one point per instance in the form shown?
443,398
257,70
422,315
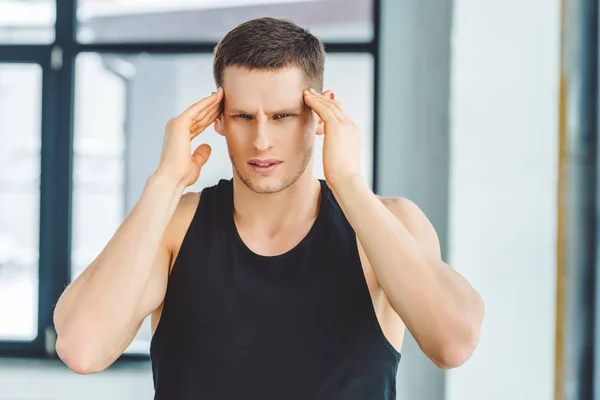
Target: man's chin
266,184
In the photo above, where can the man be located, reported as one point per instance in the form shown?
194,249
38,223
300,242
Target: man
274,284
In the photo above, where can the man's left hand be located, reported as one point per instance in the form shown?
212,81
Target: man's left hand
341,144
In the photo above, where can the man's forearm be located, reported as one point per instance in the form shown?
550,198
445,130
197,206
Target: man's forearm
438,306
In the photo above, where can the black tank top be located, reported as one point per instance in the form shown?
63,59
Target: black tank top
237,325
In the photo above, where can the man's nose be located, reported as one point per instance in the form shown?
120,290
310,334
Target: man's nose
262,138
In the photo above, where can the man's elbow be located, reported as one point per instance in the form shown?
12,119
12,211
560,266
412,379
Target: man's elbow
77,358
451,357
453,353
456,348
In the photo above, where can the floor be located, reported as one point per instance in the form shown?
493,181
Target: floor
23,379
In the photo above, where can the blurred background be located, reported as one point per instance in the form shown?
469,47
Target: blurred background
483,112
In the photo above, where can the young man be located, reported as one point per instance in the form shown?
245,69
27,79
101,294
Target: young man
274,284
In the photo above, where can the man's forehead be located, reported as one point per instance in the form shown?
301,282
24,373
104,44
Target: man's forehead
277,82
267,90
266,101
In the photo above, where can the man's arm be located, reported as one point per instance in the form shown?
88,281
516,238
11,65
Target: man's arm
99,314
439,307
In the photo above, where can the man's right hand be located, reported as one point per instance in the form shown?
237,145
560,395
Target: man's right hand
177,160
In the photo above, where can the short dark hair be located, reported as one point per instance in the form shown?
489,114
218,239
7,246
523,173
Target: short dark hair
271,44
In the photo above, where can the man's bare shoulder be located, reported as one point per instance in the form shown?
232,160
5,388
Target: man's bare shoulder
189,200
187,207
404,209
414,220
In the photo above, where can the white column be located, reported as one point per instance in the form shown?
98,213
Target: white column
504,113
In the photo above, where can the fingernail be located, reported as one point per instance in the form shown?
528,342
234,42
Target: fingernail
313,91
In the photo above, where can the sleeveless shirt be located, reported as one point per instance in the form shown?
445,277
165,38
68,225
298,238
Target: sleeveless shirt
300,325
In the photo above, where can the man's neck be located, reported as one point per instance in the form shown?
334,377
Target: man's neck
299,201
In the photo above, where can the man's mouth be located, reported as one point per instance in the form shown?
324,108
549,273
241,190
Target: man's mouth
264,166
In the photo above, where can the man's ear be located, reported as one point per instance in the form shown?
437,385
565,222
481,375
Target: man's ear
219,125
329,94
320,125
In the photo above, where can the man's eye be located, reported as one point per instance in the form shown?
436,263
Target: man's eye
280,116
244,116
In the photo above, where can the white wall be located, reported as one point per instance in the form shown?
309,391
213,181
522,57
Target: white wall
504,138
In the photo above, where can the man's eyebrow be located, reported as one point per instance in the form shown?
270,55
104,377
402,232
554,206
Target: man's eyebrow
238,111
288,110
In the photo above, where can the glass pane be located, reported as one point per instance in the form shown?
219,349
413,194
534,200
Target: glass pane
209,20
122,105
29,21
20,115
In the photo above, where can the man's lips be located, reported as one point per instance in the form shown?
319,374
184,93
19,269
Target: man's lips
264,167
264,163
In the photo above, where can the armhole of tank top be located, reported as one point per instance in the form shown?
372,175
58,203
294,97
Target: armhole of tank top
372,312
192,225
363,280
155,339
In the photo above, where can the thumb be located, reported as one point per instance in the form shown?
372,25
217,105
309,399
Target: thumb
201,154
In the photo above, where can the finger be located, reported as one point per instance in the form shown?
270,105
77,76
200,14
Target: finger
333,104
200,126
339,108
323,110
193,111
210,118
204,113
201,154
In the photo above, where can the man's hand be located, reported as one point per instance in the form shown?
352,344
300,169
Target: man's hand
341,144
177,160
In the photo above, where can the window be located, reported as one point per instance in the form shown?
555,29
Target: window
20,114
